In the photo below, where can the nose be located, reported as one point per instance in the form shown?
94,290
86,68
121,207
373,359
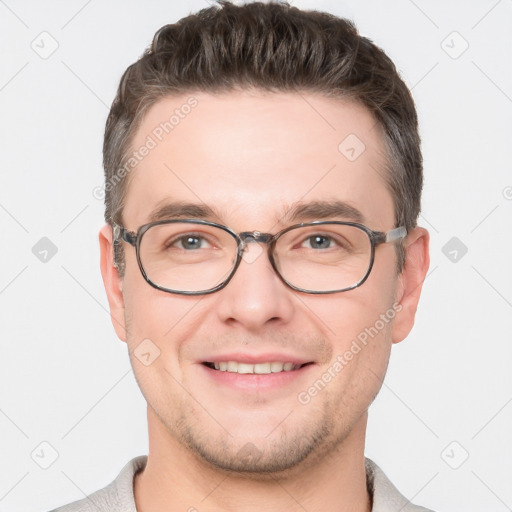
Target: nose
255,296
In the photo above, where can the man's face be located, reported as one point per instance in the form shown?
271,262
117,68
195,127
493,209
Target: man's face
252,157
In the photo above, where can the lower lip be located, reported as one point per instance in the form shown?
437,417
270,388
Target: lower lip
257,382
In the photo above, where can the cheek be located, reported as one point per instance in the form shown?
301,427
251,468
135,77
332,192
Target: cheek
156,322
347,316
150,313
361,353
159,323
357,325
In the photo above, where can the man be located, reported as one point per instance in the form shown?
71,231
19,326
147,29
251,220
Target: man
261,255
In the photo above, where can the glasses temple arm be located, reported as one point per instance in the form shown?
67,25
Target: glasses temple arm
395,234
119,233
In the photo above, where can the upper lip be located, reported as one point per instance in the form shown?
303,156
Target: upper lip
268,357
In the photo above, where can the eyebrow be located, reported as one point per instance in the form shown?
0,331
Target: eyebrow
299,212
319,210
181,210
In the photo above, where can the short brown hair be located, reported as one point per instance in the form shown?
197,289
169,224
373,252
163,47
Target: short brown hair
273,47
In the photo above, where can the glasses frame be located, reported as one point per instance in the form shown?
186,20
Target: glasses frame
245,237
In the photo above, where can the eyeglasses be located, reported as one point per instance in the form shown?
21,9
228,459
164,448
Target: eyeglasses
197,257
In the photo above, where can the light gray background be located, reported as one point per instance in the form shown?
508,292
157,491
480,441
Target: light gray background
65,378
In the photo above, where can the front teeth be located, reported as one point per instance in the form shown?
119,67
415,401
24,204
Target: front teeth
259,368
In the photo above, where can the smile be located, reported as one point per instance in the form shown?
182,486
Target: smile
258,368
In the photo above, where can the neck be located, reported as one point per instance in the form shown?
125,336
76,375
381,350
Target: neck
176,479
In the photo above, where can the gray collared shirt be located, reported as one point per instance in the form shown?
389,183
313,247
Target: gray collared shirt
118,495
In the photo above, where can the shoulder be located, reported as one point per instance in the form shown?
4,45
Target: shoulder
386,497
118,495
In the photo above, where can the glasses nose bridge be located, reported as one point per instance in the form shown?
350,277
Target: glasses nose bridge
247,237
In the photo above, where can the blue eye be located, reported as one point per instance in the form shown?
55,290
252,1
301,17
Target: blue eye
190,242
319,242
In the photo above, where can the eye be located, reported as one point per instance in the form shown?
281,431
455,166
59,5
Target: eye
318,241
189,242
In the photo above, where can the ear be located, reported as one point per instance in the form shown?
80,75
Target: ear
112,281
411,279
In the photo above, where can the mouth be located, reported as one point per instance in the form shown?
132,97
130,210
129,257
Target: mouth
256,369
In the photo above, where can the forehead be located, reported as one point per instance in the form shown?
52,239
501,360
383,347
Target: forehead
253,156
